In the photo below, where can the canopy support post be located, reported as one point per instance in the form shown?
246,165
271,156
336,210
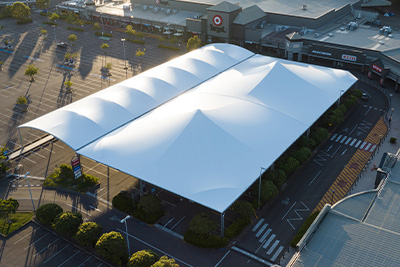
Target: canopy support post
20,139
141,187
308,132
222,224
259,187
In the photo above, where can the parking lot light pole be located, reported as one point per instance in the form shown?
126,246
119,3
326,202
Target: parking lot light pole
55,36
27,180
340,95
259,186
123,44
126,230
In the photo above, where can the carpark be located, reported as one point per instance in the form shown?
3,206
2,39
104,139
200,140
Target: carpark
33,245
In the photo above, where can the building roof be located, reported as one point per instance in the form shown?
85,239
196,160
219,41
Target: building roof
248,15
360,230
225,7
199,125
376,3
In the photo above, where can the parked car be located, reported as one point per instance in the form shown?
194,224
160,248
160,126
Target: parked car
364,96
62,45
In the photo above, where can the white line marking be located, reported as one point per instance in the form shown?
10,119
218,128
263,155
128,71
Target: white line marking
368,146
363,144
46,247
69,258
31,233
277,253
265,235
288,211
261,230
165,225
335,151
344,138
56,254
96,209
329,148
257,225
83,263
226,254
348,140
272,247
333,137
36,241
337,139
163,252
344,151
178,222
314,178
372,148
353,129
269,241
352,143
79,209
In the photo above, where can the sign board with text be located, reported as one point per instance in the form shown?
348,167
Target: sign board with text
76,166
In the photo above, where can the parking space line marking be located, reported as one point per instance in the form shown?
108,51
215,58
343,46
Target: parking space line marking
69,258
55,254
257,225
314,178
99,264
26,236
46,247
78,209
36,241
147,244
178,222
83,263
226,254
96,209
165,225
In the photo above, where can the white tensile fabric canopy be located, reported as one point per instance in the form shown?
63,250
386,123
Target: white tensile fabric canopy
201,130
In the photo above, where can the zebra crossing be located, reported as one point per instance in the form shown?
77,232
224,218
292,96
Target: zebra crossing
353,142
267,239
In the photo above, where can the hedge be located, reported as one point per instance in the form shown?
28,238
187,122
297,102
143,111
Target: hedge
149,218
24,21
49,23
303,229
136,41
68,222
319,134
123,202
212,241
169,47
290,165
237,227
302,154
76,29
98,34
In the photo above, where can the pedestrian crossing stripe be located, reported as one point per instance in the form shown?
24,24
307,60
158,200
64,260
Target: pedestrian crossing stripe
350,141
267,239
353,168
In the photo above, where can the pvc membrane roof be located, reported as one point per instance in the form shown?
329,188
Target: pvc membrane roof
201,125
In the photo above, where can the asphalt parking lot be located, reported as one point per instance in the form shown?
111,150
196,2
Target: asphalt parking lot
33,245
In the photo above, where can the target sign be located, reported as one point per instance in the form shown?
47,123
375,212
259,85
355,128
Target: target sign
217,20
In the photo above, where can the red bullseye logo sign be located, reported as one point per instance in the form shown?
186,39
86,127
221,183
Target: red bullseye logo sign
217,20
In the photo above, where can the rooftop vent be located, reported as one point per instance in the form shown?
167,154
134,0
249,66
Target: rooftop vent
304,7
381,42
342,28
385,30
352,26
330,34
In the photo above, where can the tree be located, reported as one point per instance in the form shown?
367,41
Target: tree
140,53
43,32
243,208
20,10
88,233
193,43
72,38
143,258
150,204
68,222
112,246
47,212
96,26
31,70
165,262
202,225
4,166
42,4
302,154
104,46
7,207
130,30
54,16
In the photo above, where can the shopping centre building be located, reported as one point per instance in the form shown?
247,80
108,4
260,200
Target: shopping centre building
344,33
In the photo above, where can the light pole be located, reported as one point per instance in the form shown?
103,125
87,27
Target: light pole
27,180
340,95
259,186
55,36
123,44
390,100
126,230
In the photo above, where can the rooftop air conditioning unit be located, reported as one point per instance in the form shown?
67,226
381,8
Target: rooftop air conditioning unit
168,11
381,42
304,7
196,16
156,9
144,7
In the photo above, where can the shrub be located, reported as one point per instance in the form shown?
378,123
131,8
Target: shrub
136,41
96,26
130,30
165,262
46,213
44,14
54,16
304,229
49,23
319,134
302,154
393,140
193,43
243,208
350,101
268,190
112,246
169,47
278,177
88,234
139,34
289,165
143,258
237,226
211,241
98,34
75,29
357,93
150,204
6,12
67,223
24,21
123,202
202,225
22,100
308,142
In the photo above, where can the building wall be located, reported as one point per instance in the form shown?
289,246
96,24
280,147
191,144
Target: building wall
179,5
